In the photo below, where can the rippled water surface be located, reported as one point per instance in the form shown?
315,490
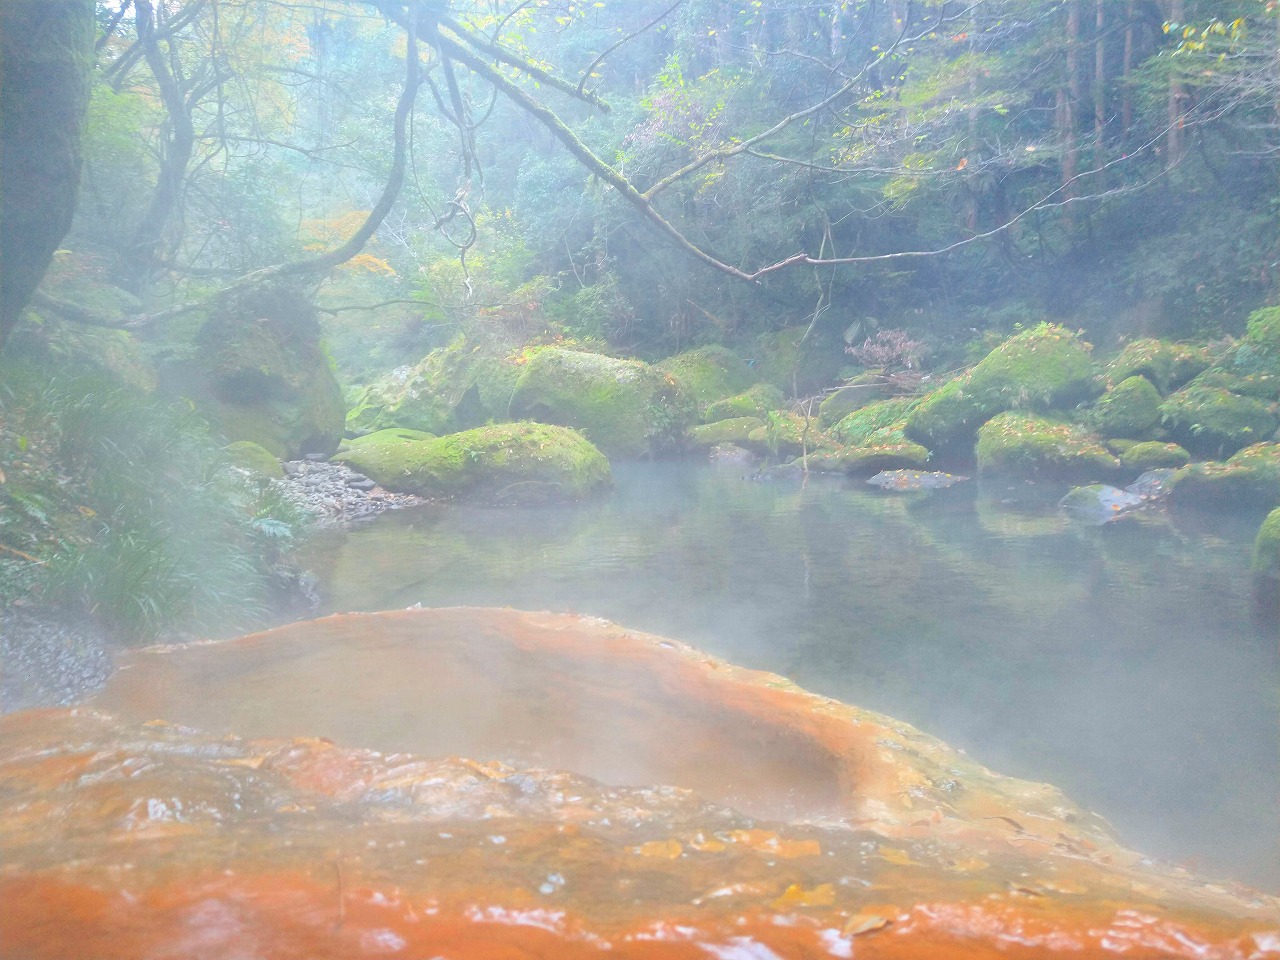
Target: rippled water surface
1126,664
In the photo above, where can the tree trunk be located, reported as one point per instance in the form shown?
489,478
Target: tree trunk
46,59
1099,81
1126,102
1177,96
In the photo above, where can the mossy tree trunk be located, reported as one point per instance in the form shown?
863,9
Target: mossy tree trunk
46,56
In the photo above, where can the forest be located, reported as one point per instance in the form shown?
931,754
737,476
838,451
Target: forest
923,352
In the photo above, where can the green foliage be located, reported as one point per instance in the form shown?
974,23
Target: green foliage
128,506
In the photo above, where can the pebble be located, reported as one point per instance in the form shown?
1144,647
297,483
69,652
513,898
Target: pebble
46,661
335,494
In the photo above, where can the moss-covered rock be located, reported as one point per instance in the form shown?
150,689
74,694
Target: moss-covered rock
1129,409
735,430
1250,478
1266,548
261,374
1212,421
708,373
1021,444
758,401
881,422
1044,368
255,458
1166,364
626,407
1254,361
451,389
504,463
860,392
1152,455
1118,445
865,461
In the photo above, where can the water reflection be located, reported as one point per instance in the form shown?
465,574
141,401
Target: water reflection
1120,663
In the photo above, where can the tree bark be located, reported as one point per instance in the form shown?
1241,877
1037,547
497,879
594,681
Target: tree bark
46,58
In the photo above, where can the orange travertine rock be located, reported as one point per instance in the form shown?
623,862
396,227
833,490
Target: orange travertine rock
712,811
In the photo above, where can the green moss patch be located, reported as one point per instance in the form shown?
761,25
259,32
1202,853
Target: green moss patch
735,430
1212,421
255,458
1154,454
758,401
708,373
1250,478
865,461
1266,548
1129,409
1020,444
451,389
1166,364
860,392
505,463
883,421
626,407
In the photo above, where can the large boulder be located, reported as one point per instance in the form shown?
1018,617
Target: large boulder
877,423
451,389
708,373
1212,421
1250,478
1266,548
735,430
1129,409
261,374
1045,368
1021,444
1166,364
758,401
504,463
1152,455
625,407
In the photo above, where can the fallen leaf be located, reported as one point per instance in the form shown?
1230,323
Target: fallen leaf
823,895
864,923
660,849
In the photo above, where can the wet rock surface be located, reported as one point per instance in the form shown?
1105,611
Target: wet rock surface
814,829
337,494
46,661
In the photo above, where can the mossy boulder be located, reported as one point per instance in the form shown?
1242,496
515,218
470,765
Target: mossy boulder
504,463
708,373
1249,478
1212,421
255,458
757,401
1022,444
451,389
858,393
735,430
1254,361
1152,455
1129,409
626,407
881,422
865,461
261,374
1166,364
1266,548
1045,368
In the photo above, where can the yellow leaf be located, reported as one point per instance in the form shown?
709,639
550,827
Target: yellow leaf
823,895
896,856
864,923
660,849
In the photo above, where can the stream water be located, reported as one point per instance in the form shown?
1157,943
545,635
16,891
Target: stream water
1123,663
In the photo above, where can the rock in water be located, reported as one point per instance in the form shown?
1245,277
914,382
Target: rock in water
710,811
1099,503
914,480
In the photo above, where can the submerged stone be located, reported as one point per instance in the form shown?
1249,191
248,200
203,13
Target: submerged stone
914,480
626,796
1099,503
